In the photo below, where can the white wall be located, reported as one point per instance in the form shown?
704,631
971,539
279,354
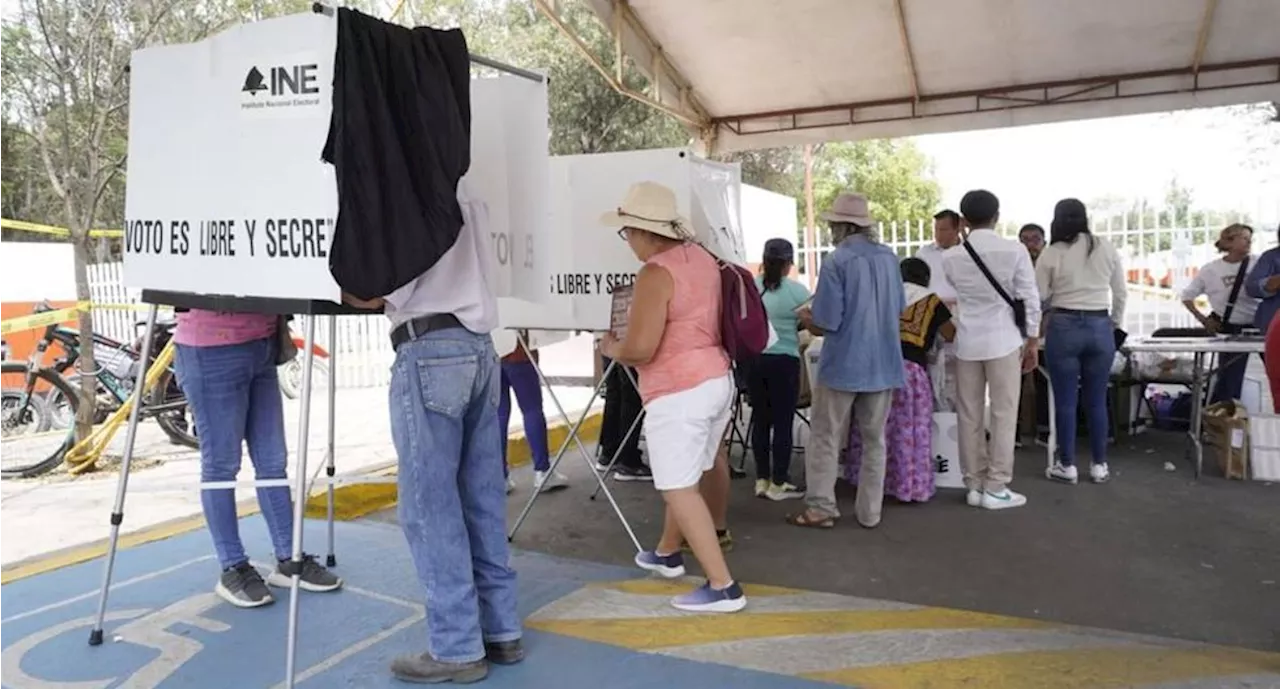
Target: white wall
766,215
37,270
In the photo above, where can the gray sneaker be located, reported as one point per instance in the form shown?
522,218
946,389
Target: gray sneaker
504,652
315,577
242,587
423,669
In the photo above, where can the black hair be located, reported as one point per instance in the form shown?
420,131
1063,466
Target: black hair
915,271
1033,227
948,214
774,269
980,208
1070,220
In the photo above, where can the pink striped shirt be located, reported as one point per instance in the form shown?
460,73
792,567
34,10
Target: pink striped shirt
197,328
690,352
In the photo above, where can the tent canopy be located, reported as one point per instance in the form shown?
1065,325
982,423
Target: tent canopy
761,73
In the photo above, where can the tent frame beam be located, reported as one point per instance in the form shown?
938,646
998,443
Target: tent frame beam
1069,91
623,21
1202,36
906,49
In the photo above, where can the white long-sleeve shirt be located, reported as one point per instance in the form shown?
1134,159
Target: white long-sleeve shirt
938,283
1069,276
985,328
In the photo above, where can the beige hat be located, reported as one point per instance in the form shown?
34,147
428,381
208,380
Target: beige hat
851,208
651,207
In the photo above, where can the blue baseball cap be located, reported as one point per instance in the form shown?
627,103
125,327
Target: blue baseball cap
779,248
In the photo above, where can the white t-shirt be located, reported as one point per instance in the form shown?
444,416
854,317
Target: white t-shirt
1214,281
938,283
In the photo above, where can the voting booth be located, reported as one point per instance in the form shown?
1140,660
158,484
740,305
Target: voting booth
230,208
594,259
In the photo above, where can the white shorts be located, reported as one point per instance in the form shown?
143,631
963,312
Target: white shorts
683,431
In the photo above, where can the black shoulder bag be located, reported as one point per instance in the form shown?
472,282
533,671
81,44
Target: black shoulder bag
1019,306
1224,321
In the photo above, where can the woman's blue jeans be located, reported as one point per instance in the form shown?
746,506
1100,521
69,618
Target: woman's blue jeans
1079,350
234,395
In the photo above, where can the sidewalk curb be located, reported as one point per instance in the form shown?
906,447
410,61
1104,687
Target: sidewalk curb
357,500
349,502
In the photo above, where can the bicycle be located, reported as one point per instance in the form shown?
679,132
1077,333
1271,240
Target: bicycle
49,402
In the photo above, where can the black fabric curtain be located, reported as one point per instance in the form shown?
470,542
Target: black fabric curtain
399,140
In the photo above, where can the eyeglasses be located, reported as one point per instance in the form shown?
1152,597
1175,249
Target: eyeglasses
623,232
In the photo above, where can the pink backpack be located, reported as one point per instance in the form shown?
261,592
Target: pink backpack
744,325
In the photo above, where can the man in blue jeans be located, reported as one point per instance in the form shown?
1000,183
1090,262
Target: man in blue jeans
444,422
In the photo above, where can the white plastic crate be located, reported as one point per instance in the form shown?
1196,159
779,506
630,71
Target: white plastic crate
1264,440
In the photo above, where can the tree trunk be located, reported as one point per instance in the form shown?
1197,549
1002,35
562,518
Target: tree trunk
87,365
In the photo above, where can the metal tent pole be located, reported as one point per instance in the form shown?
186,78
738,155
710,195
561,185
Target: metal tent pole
122,485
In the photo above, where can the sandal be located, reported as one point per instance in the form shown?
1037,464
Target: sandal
807,520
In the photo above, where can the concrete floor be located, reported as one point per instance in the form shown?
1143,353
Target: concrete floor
1152,552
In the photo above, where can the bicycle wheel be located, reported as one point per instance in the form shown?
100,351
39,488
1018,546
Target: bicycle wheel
175,417
28,450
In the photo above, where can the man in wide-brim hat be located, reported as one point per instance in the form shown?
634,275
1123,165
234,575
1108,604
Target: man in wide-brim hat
856,308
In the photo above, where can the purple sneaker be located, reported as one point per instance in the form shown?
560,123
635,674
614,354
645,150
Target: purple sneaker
667,566
707,599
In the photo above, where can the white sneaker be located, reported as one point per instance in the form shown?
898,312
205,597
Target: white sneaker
546,481
511,484
783,491
1003,500
1065,474
1099,473
974,498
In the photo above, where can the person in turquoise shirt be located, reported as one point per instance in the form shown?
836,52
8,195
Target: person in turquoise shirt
774,378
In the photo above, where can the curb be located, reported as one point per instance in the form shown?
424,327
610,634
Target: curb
349,502
355,501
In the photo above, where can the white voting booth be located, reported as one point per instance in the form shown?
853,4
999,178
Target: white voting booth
595,258
229,206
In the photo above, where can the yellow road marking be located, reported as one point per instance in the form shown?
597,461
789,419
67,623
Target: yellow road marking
689,630
1069,669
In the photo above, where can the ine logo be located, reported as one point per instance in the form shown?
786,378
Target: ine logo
281,86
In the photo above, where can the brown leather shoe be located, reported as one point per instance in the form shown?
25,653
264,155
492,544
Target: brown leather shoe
423,669
504,652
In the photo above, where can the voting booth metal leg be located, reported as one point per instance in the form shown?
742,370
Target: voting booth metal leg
626,438
299,505
122,484
330,559
574,430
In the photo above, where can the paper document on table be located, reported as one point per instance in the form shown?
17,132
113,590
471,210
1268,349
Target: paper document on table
621,311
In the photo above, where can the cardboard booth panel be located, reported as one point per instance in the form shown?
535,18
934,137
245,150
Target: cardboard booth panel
593,258
227,193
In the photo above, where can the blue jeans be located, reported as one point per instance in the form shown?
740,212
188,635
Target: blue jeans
234,395
522,377
1079,349
453,501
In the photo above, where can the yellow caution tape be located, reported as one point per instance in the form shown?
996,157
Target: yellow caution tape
25,226
39,320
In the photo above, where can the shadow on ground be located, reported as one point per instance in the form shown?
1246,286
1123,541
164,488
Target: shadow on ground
1152,552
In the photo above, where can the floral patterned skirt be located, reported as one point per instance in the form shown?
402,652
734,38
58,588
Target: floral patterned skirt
908,439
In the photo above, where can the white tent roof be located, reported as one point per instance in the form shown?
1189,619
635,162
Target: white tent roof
777,72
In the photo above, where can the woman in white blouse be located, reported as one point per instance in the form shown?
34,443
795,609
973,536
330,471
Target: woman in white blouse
1223,282
1083,288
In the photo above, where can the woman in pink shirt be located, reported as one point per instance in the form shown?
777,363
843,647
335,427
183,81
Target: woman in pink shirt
226,365
673,340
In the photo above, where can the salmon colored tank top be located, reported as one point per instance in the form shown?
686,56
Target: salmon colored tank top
690,352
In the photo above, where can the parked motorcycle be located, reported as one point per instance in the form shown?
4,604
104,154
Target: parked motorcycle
290,374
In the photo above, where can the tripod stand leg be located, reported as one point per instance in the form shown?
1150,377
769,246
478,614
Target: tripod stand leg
294,568
117,510
331,559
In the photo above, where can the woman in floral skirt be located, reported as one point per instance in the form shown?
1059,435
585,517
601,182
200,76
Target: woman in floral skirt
909,427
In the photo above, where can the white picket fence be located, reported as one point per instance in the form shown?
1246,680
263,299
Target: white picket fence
362,348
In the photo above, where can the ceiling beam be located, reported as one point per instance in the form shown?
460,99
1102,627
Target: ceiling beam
686,112
1202,37
906,49
661,63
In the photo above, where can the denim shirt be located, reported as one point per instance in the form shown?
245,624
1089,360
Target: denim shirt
857,305
1255,285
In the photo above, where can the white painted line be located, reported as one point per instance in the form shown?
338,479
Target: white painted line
92,594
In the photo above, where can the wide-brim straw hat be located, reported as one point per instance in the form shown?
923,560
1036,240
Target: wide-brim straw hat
850,208
651,207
